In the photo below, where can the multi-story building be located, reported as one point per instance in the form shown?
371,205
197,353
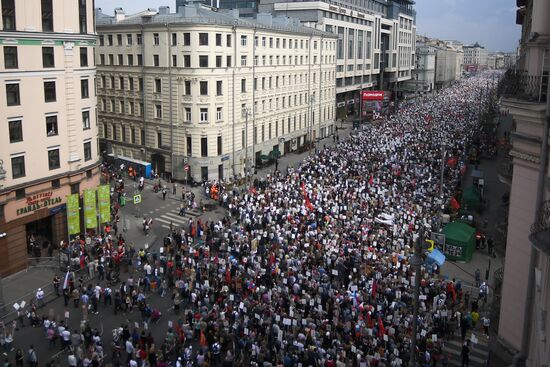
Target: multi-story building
366,29
475,55
202,93
423,80
48,134
457,47
524,317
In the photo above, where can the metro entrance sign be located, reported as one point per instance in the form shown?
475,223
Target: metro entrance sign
372,95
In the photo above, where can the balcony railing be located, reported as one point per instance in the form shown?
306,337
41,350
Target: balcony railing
540,230
518,84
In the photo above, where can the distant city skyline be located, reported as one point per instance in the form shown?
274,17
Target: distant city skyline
491,23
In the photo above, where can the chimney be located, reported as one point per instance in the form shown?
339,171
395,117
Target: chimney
119,14
164,10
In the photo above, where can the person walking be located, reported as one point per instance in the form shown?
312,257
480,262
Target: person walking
32,357
19,359
164,193
465,354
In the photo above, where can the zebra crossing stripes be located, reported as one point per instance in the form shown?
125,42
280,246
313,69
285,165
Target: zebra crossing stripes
479,351
175,219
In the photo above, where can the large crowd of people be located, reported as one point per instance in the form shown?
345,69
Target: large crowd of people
311,266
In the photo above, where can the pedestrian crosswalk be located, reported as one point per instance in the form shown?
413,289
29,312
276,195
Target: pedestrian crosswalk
176,220
479,350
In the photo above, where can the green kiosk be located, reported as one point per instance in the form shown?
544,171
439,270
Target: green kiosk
460,241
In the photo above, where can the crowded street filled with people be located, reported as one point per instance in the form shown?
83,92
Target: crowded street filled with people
311,265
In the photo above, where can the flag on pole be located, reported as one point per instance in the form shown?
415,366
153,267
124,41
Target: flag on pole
454,204
66,281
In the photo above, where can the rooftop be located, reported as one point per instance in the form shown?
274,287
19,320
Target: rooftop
201,14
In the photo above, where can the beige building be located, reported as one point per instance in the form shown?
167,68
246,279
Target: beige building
204,94
524,318
475,55
48,133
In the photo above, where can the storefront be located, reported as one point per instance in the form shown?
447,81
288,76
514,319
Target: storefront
40,213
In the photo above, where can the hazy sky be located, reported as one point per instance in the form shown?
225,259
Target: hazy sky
492,23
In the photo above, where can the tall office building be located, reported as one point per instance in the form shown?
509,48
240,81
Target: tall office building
376,40
48,132
204,94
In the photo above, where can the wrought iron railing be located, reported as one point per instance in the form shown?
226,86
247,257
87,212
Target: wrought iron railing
518,84
540,230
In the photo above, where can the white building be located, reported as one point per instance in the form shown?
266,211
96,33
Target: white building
475,55
458,47
208,92
48,131
423,80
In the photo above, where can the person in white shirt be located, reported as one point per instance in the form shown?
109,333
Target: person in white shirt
40,297
66,335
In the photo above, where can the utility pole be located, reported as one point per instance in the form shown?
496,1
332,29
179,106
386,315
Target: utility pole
442,170
416,263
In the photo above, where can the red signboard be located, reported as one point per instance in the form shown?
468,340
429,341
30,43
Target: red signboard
373,95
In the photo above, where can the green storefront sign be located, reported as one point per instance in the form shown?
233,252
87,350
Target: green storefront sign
73,214
90,211
104,199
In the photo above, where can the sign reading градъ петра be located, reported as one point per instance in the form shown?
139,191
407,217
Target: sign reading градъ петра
39,201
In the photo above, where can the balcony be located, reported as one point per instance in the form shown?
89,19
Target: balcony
518,84
540,230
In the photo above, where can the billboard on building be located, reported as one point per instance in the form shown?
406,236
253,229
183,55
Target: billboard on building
372,95
104,199
90,211
73,214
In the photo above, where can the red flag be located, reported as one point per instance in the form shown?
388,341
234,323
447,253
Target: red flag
370,324
227,275
452,161
371,180
374,288
454,204
381,329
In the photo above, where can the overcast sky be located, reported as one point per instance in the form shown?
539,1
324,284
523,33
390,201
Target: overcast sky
492,23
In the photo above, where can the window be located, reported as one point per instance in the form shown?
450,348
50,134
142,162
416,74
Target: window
110,40
204,115
156,39
187,87
8,15
270,42
219,114
10,57
119,39
189,146
17,166
158,85
244,40
82,16
243,60
16,131
174,39
131,108
186,61
49,92
56,183
101,59
140,84
120,82
218,39
263,41
84,88
203,61
187,114
75,188
87,151
156,61
187,39
51,126
220,145
204,147
53,159
158,111
228,63
102,40
139,60
159,139
111,59
203,88
120,59
228,40
218,61
130,60
243,85
129,40
219,88
174,60
203,39
133,132
85,120
48,60
115,132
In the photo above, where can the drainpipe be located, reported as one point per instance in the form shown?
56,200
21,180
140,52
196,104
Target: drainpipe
254,130
320,83
523,354
233,92
143,58
170,102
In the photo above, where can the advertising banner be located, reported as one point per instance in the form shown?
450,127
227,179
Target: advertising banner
104,199
73,214
90,211
372,95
